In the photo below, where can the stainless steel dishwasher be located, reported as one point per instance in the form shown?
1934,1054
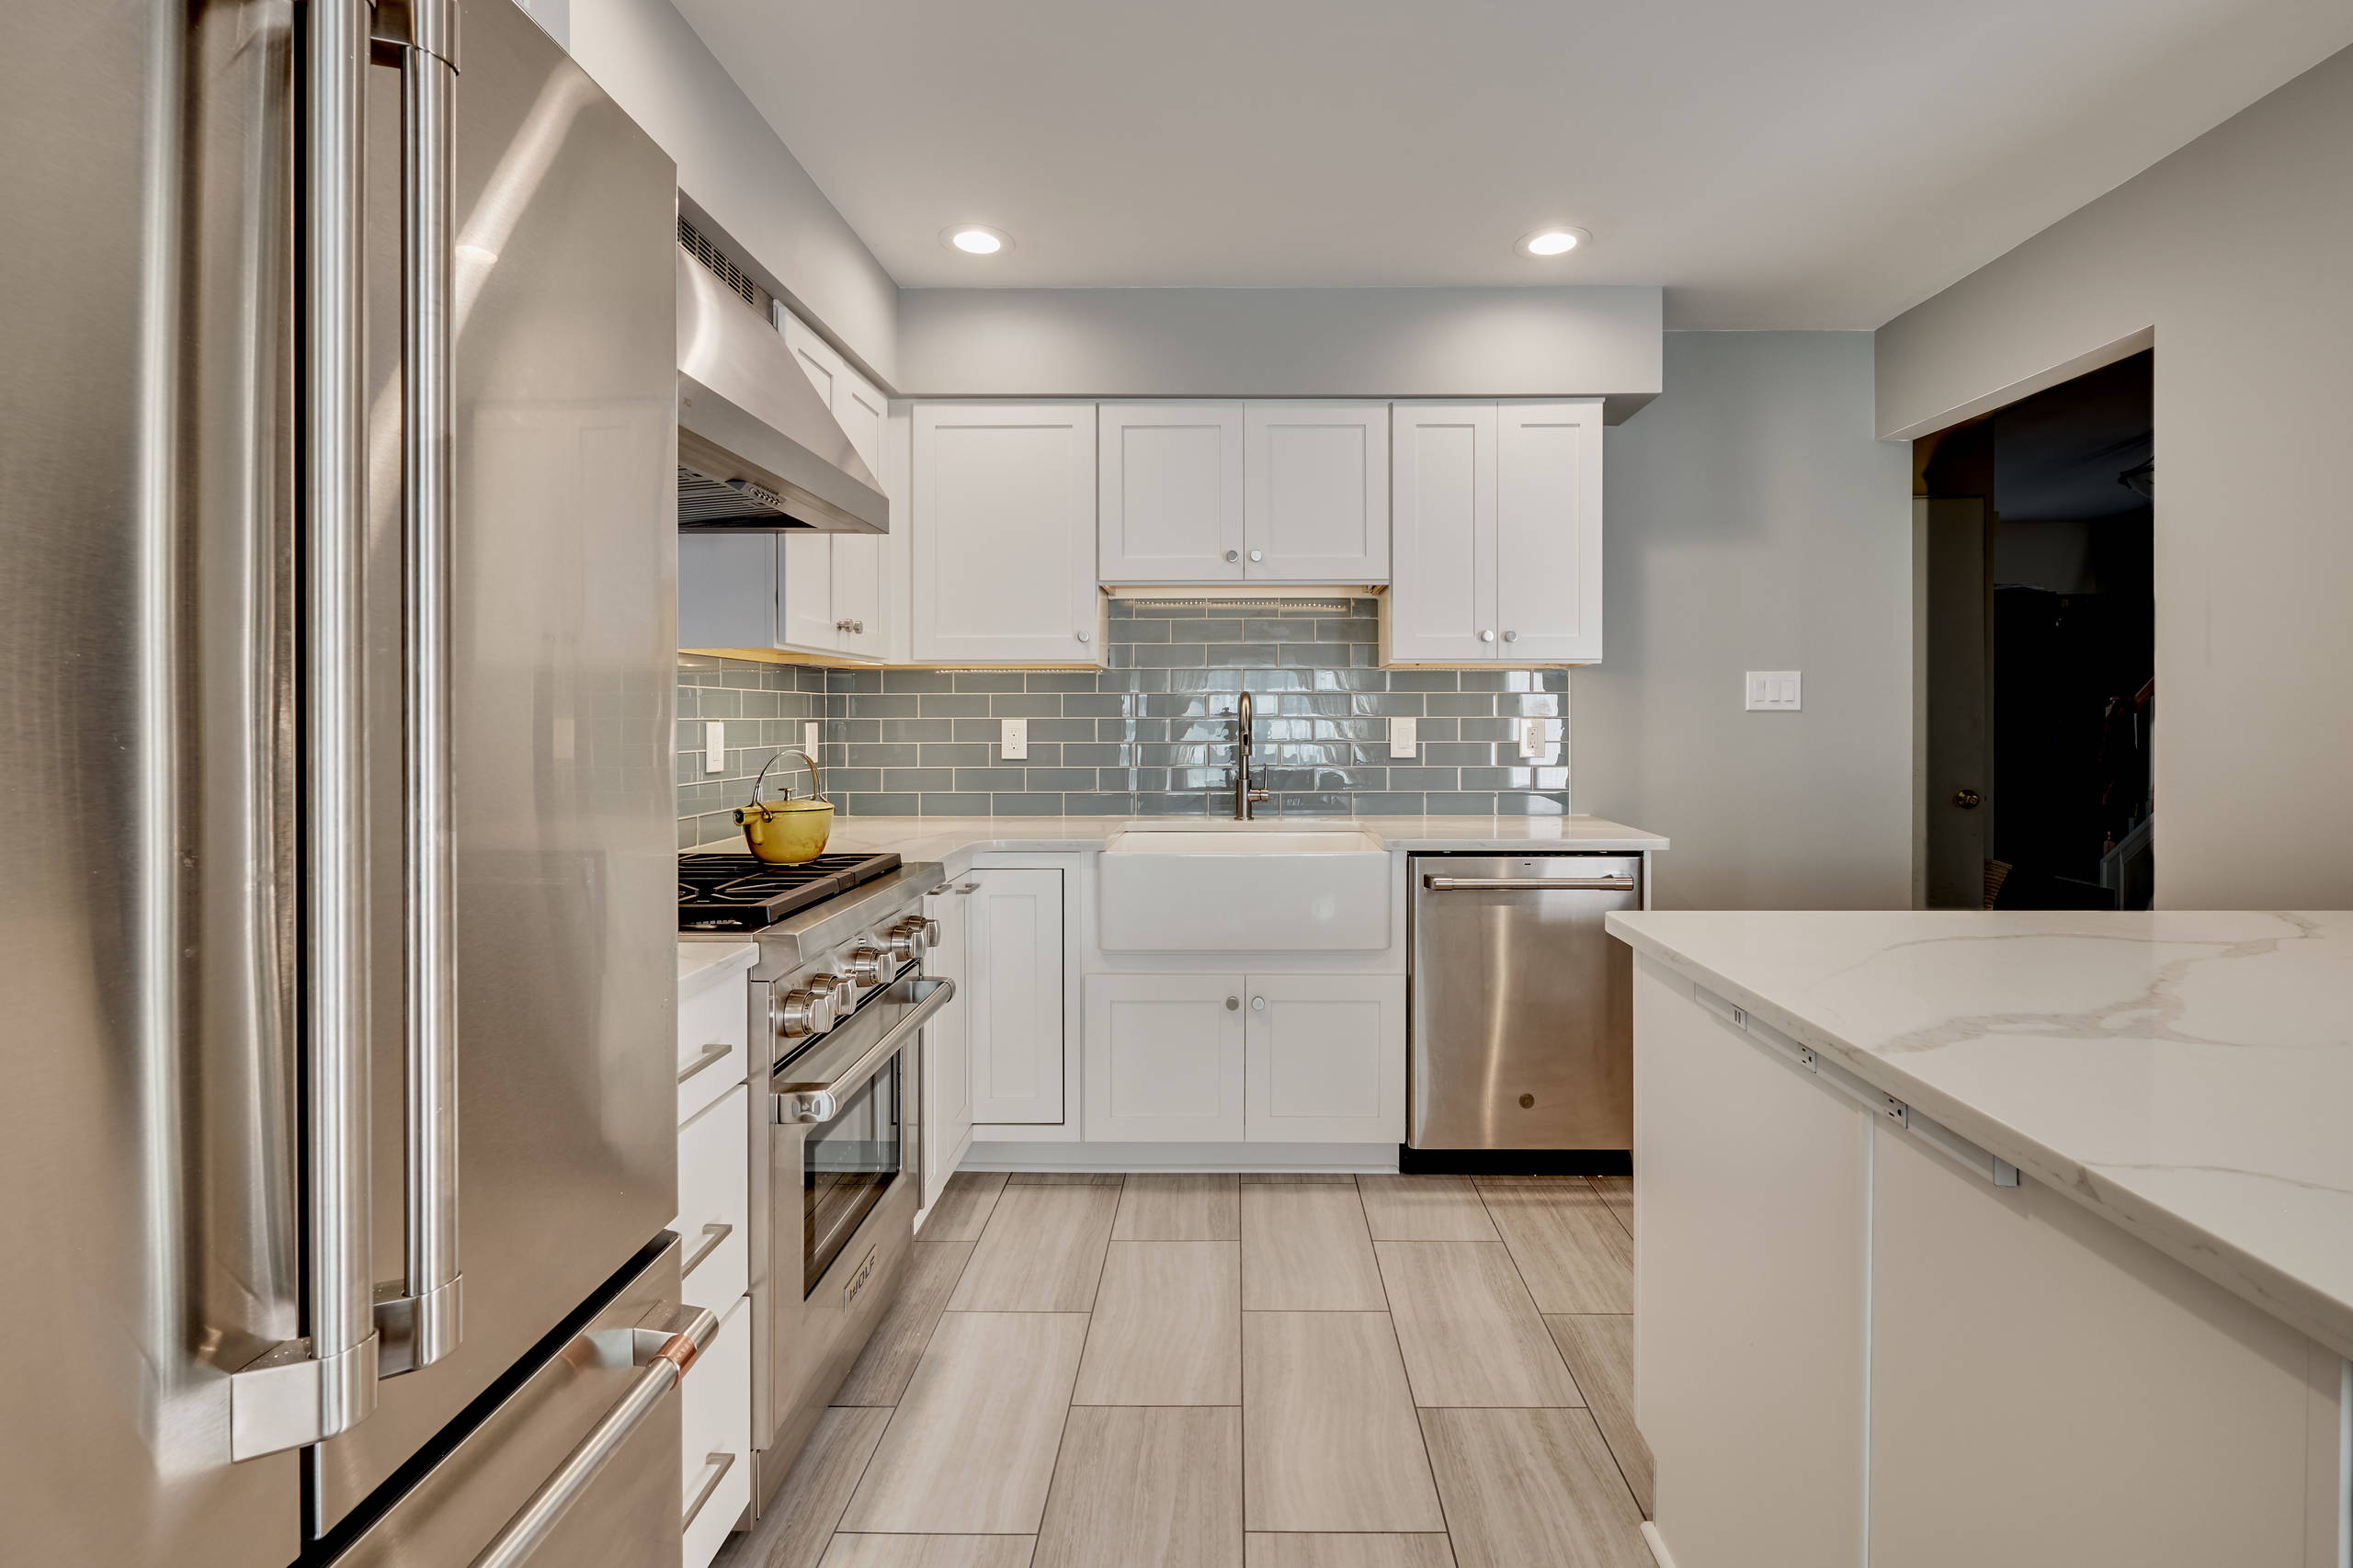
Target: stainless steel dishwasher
1522,1011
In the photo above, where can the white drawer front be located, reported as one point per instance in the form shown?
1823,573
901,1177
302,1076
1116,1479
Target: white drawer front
715,1426
713,1160
717,1018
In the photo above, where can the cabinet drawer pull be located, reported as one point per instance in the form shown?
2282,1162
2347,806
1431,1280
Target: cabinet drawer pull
1529,884
716,1052
713,1235
719,1465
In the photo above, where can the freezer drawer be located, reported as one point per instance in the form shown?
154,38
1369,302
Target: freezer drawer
626,1515
1522,1006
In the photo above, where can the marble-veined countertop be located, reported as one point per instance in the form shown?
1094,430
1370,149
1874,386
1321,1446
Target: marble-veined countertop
2189,1075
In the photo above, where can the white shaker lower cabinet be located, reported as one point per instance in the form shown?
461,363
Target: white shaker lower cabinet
948,1044
1315,492
1257,1058
714,1170
1169,492
715,1433
1327,1058
1163,1058
1496,533
2048,1389
1751,1267
1003,536
1014,1017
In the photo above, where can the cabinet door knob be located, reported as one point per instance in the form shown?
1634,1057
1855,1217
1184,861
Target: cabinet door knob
1511,636
859,627
1487,637
1233,555
1257,556
1257,1004
1082,636
1234,1003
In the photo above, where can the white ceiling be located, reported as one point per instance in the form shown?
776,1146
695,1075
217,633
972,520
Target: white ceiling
1792,164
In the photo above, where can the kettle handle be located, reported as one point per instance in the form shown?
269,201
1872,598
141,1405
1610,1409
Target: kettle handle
817,785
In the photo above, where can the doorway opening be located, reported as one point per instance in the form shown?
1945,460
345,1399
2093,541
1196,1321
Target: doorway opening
2034,528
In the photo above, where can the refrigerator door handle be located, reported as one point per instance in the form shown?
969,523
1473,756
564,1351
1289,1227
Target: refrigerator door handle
305,1390
420,1321
663,1355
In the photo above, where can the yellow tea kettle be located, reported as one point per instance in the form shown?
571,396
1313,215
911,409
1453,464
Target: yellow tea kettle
788,832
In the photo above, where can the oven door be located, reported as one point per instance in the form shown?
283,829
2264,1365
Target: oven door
842,1197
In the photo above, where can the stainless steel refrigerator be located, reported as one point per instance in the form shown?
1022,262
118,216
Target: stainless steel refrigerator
337,560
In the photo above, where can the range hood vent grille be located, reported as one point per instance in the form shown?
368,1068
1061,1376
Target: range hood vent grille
698,245
703,501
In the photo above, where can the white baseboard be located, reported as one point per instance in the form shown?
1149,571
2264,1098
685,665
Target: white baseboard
1279,1158
1657,1543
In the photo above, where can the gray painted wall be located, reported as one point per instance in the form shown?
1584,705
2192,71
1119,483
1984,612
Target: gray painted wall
1594,341
2238,252
1753,522
733,166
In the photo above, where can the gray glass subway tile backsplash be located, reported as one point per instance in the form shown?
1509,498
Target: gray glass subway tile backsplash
1153,736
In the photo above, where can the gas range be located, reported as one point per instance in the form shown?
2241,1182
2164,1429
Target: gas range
838,1001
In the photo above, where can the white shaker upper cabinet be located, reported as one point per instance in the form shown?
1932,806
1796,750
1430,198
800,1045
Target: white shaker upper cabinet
1548,533
1169,488
1497,533
1442,601
831,599
1004,534
1315,505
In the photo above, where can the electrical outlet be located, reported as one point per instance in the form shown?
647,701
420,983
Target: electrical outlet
809,732
1531,738
714,747
1773,691
1012,739
1402,741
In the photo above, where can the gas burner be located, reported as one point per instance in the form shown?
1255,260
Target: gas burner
741,893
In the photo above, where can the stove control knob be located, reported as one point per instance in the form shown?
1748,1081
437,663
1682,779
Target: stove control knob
905,940
802,1012
869,966
930,933
837,988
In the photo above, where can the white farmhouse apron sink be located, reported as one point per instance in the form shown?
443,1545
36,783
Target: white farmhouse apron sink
1178,888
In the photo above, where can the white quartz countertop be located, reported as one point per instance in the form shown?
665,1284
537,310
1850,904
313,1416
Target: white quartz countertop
701,962
2188,1075
954,841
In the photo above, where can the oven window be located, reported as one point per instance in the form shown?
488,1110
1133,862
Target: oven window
849,1163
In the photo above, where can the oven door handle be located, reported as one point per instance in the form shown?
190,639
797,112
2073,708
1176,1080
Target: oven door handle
809,1096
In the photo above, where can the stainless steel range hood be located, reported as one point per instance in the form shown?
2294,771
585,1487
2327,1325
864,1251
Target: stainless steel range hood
758,450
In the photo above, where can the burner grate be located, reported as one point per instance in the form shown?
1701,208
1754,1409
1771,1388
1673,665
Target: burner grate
741,893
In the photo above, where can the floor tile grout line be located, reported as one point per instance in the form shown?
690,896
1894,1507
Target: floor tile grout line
1389,1315
1046,1503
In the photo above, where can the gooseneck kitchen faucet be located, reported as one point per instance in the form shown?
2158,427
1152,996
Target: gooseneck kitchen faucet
1242,794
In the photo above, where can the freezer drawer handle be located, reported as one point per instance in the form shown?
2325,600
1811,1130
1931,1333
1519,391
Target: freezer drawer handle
719,1465
1529,884
662,1359
820,1098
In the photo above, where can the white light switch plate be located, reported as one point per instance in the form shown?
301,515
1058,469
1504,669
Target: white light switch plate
1012,739
714,747
1773,691
1531,738
809,732
1402,741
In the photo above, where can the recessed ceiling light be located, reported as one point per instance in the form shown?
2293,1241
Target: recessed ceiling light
976,239
1552,242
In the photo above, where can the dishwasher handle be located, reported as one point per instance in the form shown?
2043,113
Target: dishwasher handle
1527,884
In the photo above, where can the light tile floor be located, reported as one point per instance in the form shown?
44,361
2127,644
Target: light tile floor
1220,1371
